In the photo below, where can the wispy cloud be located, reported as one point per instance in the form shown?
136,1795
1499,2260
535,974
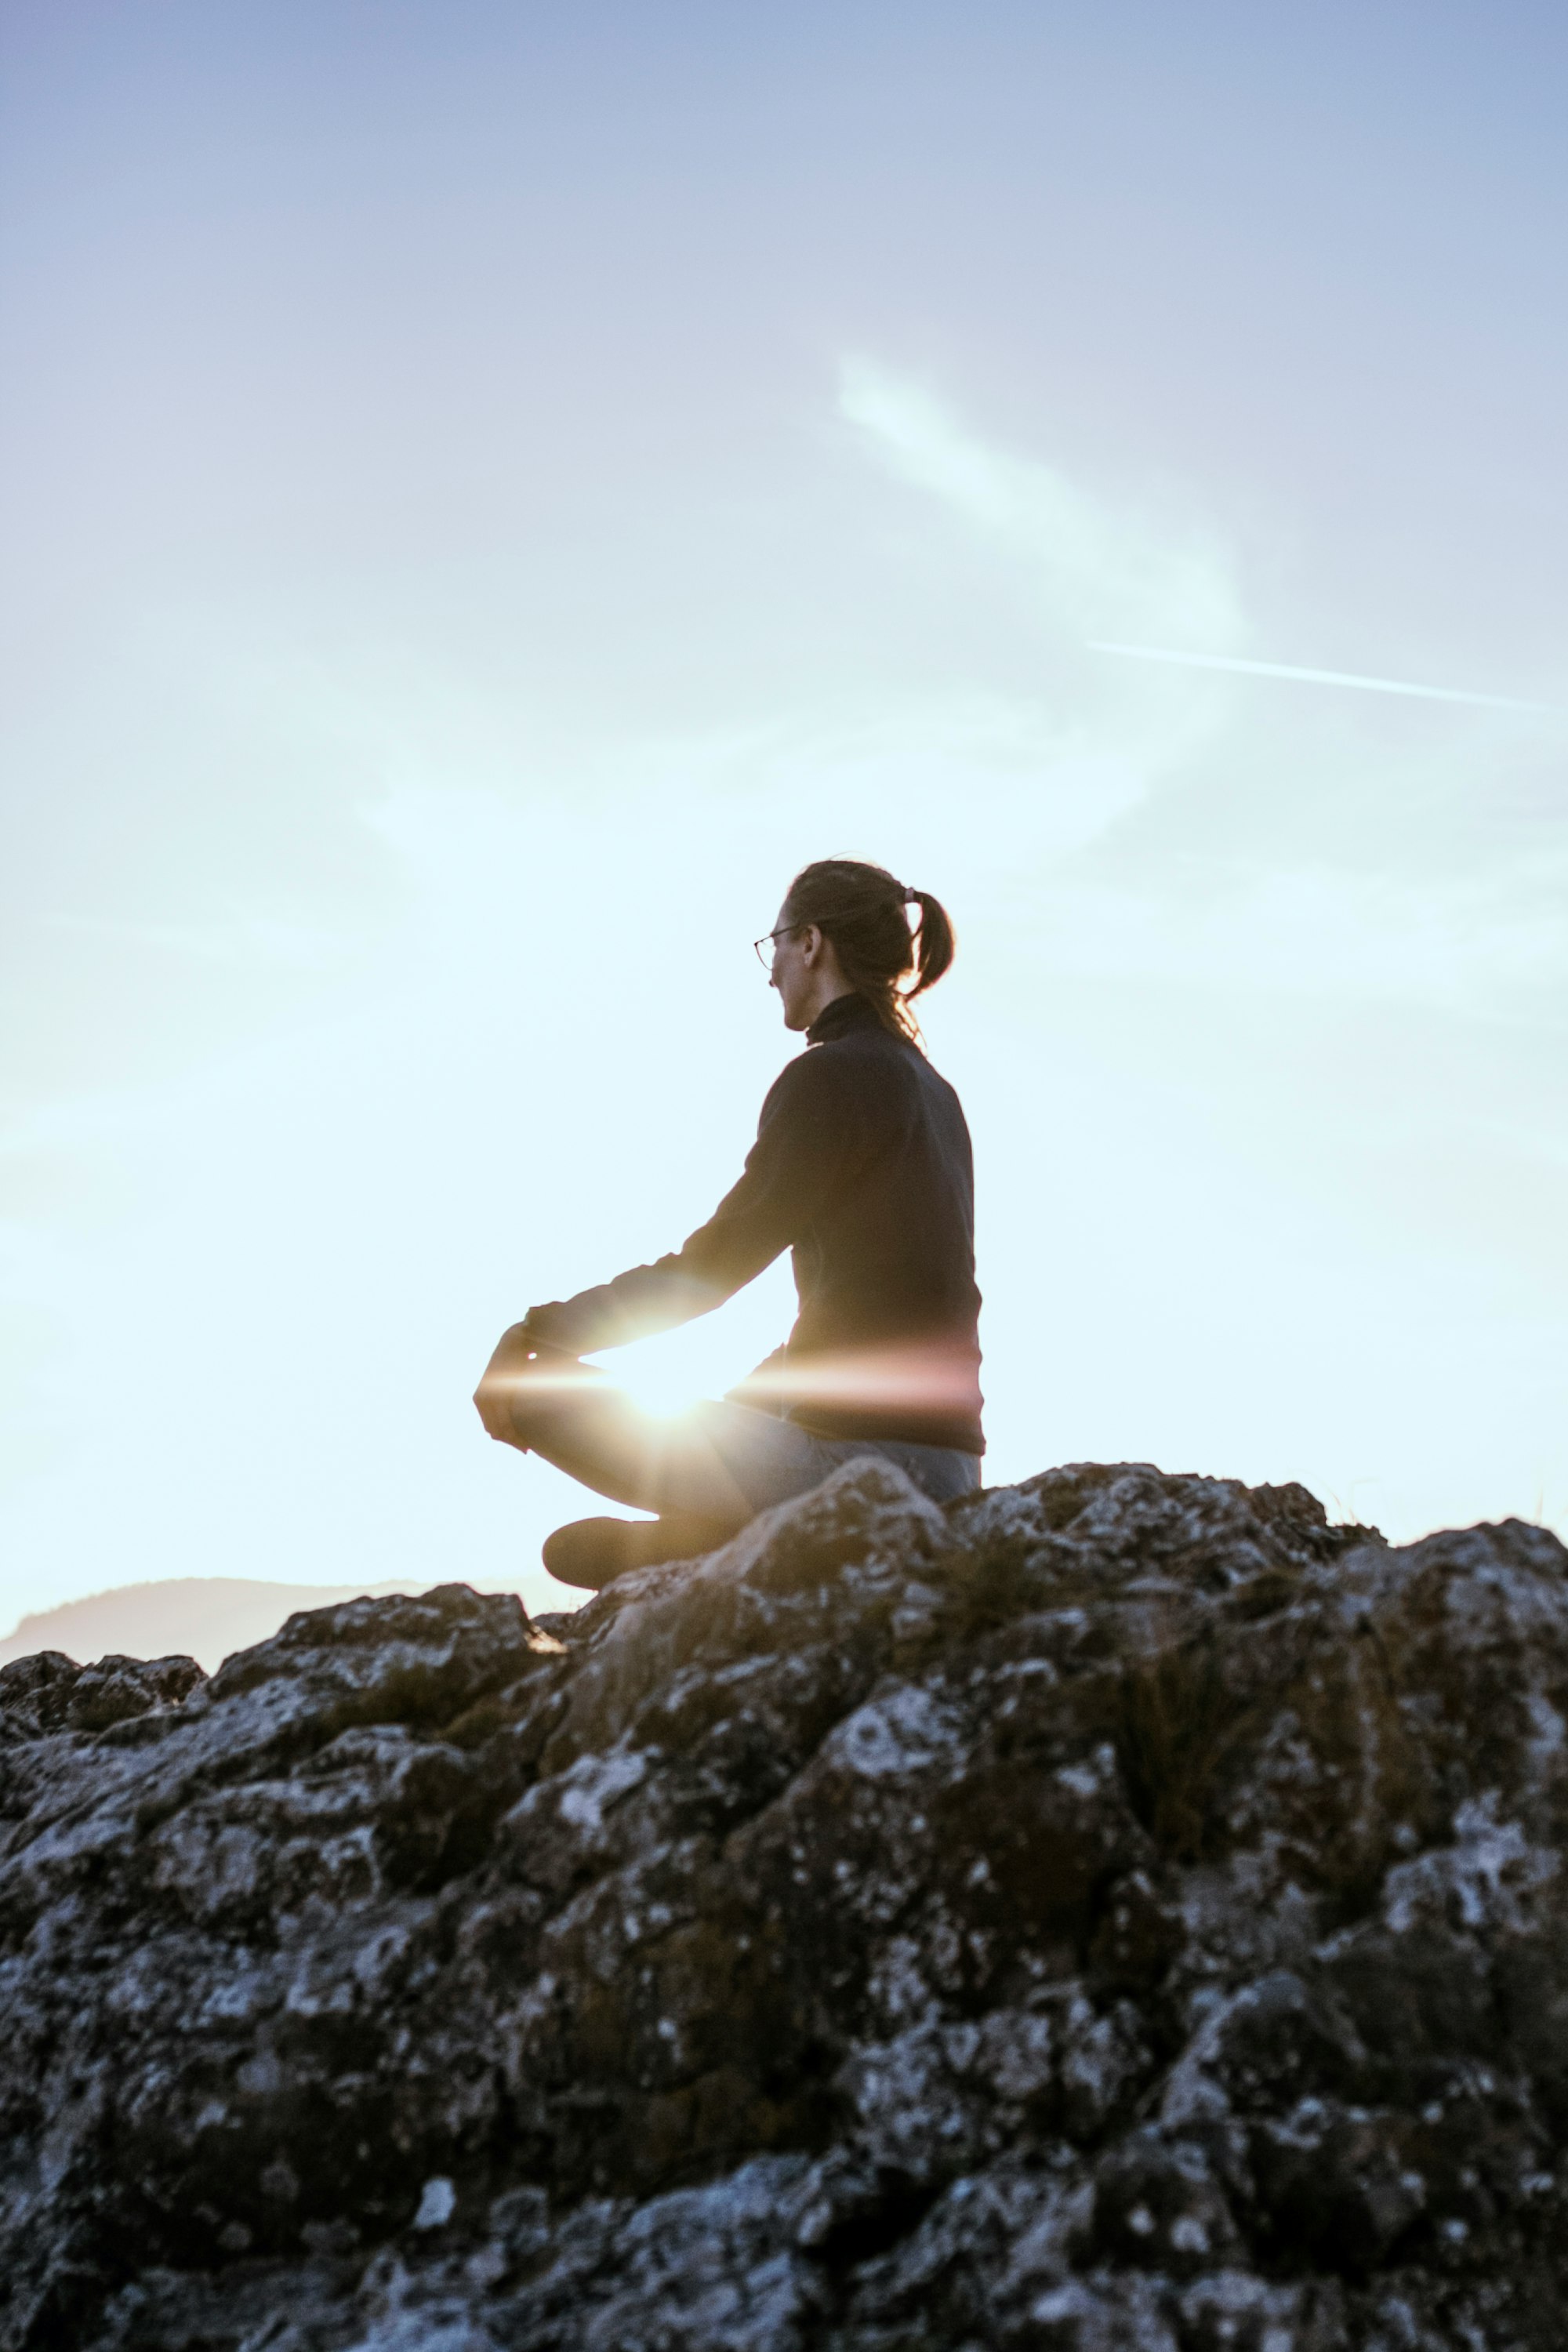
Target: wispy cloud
1291,866
1096,565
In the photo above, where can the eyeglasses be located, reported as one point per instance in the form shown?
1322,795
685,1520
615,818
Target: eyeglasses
764,948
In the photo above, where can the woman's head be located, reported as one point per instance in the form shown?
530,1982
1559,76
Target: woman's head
859,912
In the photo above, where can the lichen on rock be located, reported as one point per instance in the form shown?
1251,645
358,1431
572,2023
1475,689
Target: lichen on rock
1120,1910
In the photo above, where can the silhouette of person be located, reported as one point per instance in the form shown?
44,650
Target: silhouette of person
863,1170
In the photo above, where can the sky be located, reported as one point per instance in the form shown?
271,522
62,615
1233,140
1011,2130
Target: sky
491,490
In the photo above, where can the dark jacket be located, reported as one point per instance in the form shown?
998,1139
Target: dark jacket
862,1168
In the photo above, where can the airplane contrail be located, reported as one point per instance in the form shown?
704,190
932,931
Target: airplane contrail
1319,677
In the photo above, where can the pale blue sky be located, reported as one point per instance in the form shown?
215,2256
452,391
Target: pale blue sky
490,491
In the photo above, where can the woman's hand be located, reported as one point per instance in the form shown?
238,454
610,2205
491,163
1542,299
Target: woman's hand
514,1351
526,1352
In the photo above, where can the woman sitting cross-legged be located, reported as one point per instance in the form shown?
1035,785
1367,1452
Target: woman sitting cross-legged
862,1168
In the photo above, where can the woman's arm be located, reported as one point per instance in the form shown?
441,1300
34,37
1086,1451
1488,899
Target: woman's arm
807,1140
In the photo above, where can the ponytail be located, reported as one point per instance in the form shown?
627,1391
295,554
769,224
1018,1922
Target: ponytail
861,908
934,943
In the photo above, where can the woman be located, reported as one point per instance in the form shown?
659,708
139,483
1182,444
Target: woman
862,1168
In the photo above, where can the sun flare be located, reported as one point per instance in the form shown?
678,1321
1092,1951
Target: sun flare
667,1375
662,1392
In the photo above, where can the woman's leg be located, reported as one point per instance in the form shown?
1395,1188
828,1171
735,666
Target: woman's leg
575,1418
591,1553
705,1473
718,1461
680,1469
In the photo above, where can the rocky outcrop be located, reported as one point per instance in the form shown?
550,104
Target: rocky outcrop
209,1615
1116,1911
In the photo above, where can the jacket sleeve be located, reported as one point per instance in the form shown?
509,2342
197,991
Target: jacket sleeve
809,1137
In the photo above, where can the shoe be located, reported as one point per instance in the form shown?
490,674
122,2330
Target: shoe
591,1553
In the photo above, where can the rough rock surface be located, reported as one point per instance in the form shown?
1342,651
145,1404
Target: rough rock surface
1118,1911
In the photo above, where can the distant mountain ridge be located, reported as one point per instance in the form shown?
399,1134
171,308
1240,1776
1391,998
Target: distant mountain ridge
203,1617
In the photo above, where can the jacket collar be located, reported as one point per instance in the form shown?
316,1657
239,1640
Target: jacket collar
845,1013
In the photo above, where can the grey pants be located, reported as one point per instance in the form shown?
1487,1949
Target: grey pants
720,1462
